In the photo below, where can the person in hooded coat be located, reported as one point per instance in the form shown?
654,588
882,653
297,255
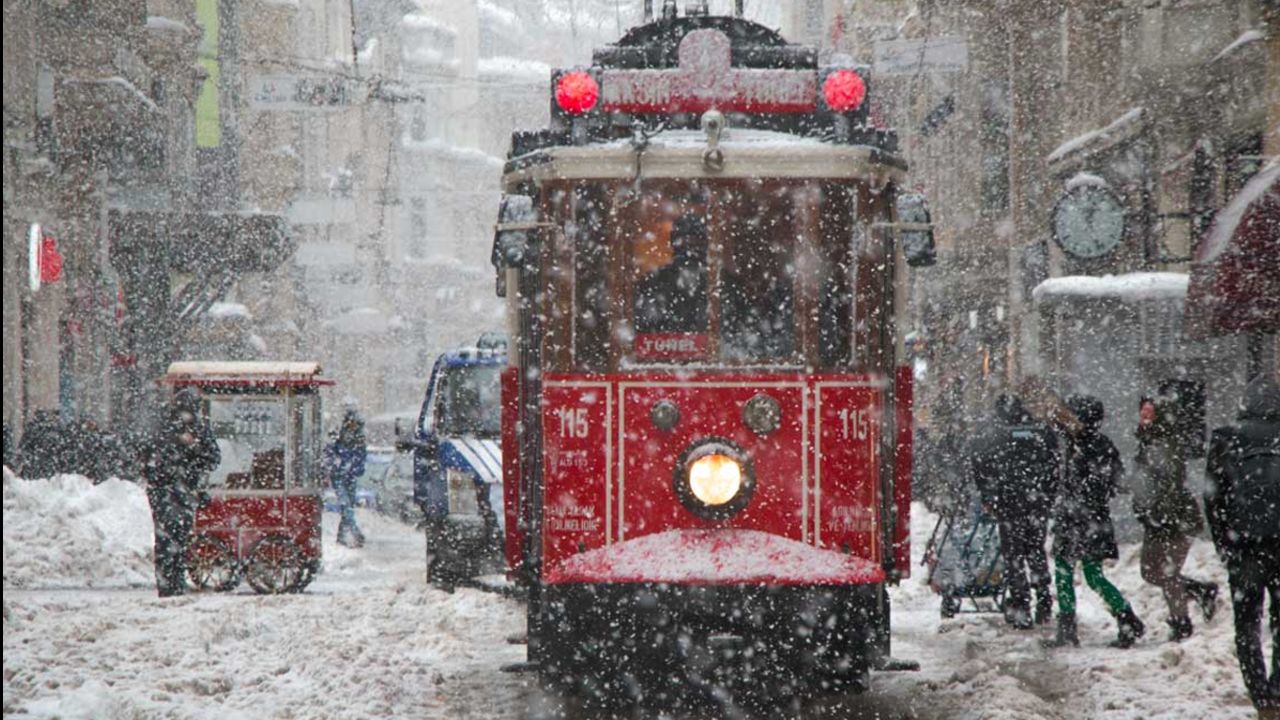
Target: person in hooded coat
346,460
1082,528
1169,515
1014,465
1242,502
182,452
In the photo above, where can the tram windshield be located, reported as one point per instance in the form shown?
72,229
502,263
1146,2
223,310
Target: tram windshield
470,401
737,273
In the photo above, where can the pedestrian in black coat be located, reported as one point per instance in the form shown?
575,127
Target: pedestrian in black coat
1082,528
1169,515
1242,502
182,452
42,451
1014,465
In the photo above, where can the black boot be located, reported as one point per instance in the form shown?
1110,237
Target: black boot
1179,629
1044,610
1066,633
1206,596
1129,629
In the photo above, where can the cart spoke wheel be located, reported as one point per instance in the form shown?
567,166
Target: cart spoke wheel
211,565
275,566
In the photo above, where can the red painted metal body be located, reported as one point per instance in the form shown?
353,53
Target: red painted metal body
241,520
608,472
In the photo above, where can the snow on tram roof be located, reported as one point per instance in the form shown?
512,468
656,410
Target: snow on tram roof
251,370
748,153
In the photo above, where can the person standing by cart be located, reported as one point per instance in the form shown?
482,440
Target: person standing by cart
182,452
1014,465
1082,528
346,459
1169,515
1242,502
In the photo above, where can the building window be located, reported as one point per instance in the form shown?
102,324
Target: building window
209,102
416,242
994,139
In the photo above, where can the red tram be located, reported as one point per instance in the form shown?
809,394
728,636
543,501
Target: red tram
706,435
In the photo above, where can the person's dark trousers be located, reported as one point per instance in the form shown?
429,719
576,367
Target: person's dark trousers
1026,564
173,521
1254,574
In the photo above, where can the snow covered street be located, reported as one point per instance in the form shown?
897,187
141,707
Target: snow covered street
369,639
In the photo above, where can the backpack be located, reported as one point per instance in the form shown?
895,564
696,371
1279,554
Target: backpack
1254,505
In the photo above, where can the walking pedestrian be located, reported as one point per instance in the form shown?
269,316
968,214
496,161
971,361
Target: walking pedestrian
181,453
1169,515
1082,528
346,459
1014,465
1242,502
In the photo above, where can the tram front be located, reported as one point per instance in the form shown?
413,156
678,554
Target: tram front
704,422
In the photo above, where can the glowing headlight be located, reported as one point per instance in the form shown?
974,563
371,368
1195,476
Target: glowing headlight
715,479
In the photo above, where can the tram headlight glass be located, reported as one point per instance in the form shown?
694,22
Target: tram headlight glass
715,479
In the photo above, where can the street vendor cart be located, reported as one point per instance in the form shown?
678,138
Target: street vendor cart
261,519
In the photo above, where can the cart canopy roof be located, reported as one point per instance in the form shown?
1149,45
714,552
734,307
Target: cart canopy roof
214,372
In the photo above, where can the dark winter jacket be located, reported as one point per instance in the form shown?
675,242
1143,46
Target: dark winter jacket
184,450
1014,463
1161,500
346,456
1082,517
43,450
1242,499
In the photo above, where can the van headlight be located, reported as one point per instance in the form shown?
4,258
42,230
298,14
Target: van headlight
714,479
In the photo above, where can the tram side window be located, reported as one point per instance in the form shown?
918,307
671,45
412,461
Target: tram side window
251,435
673,297
757,287
835,299
591,290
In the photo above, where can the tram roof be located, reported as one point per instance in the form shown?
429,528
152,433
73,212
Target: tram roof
677,154
218,372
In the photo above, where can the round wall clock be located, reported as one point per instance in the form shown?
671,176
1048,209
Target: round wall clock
1088,222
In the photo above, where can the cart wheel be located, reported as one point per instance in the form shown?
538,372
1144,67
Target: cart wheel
211,564
275,566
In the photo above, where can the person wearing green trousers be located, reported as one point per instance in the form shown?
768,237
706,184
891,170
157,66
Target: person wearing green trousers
1083,531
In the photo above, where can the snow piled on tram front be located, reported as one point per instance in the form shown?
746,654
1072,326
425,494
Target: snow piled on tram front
65,531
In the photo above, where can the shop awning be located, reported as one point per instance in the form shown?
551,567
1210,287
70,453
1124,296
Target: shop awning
1235,277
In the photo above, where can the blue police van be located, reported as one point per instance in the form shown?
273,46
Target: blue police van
457,461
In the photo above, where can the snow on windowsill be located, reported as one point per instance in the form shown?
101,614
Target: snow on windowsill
1246,38
1117,126
1130,287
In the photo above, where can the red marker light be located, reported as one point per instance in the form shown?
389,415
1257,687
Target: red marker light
844,90
577,92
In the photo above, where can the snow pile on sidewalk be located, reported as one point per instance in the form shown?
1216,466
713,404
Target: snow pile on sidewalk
67,532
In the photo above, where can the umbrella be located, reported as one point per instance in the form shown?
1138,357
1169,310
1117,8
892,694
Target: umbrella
1235,276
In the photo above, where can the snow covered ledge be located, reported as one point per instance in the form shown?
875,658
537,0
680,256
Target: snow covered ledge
1130,287
715,557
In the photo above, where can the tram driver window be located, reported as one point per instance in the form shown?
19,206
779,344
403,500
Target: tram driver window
757,291
673,297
